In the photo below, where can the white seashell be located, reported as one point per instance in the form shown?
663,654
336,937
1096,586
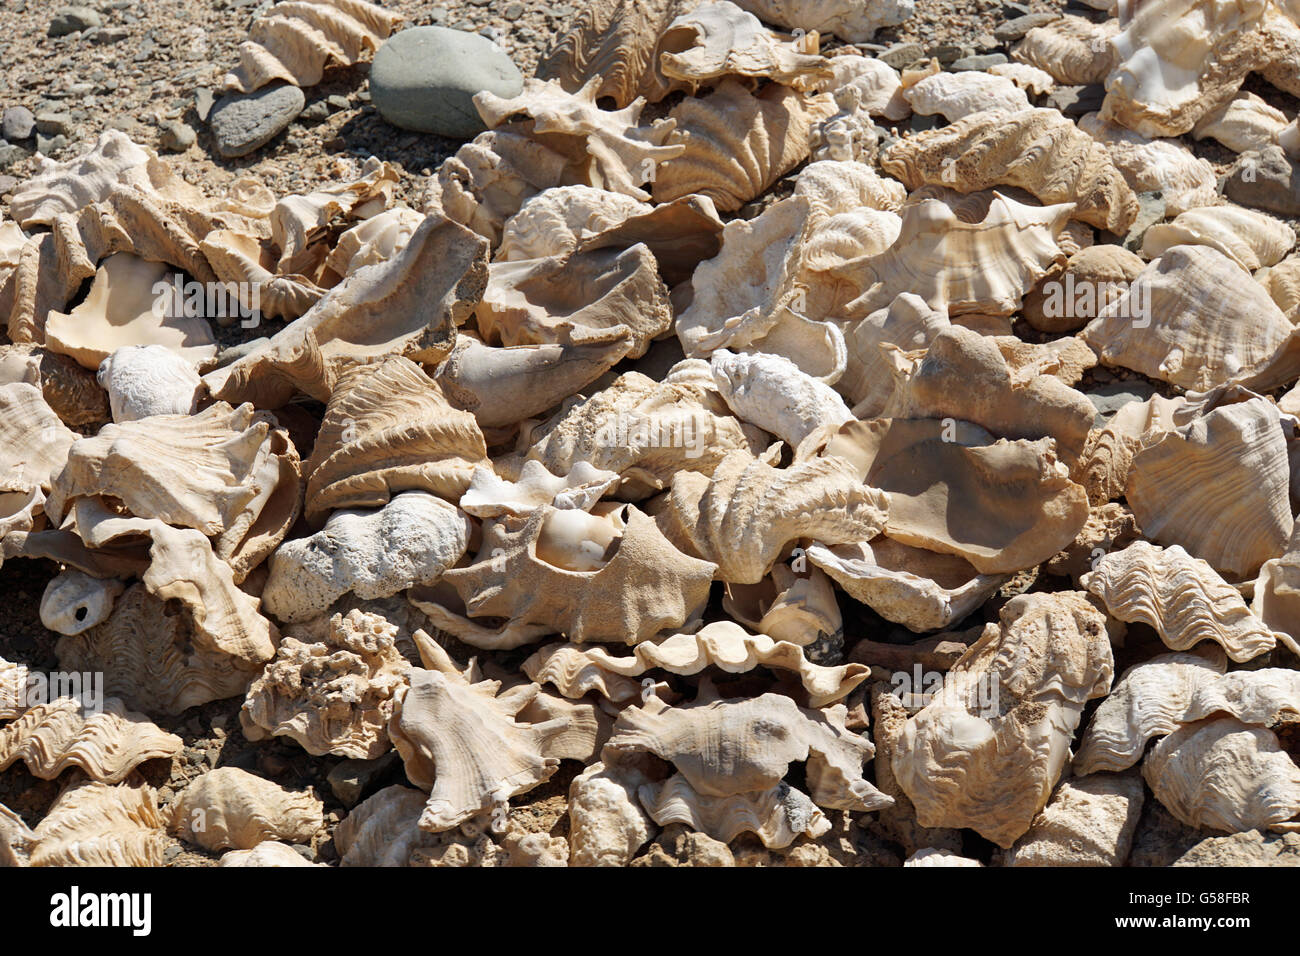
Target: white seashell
267,853
798,607
66,187
1028,78
879,89
777,816
490,496
1184,181
299,222
908,323
145,380
957,95
229,807
16,839
1251,239
853,21
932,857
1260,697
74,601
1245,123
606,823
771,392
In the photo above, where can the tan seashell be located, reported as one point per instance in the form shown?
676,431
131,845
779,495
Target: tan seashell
462,742
986,752
1261,697
1110,526
745,514
771,392
299,221
922,590
488,179
726,747
607,149
381,830
373,240
227,472
331,687
733,145
229,807
879,89
907,322
1282,282
1065,300
490,496
13,689
643,430
1162,327
389,428
606,822
145,380
1276,592
410,541
247,262
848,134
295,41
1029,78
66,187
1249,238
268,853
1245,123
722,644
777,816
16,839
106,742
74,601
1181,597
964,375
1108,457
124,308
1224,775
853,21
528,302
933,857
984,267
1149,700
613,578
1002,505
70,390
719,39
1184,181
151,659
94,824
1218,486
795,606
1039,150
33,442
409,305
955,95
1074,50
1088,822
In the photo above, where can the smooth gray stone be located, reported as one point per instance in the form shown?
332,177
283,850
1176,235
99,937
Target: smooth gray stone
17,124
246,122
425,78
68,20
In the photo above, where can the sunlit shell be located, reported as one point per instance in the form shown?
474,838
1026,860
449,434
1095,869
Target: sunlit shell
33,442
70,390
955,95
1263,697
74,601
769,391
879,89
1088,822
777,816
144,380
1074,50
1251,239
66,187
851,20
95,824
270,853
1029,78
1184,181
229,807
907,322
1282,283
1245,123
246,261
299,221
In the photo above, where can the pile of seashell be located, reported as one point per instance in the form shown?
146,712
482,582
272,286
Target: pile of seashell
682,449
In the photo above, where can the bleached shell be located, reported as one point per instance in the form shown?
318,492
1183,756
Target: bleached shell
771,392
270,853
608,149
122,308
986,752
556,221
21,504
718,39
848,134
16,839
922,590
1149,700
230,473
1028,78
246,261
1251,239
1259,697
907,322
295,41
1110,526
734,145
1245,123
984,267
1194,319
150,658
408,305
722,644
853,21
777,816
463,743
956,95
230,807
878,85
1067,299
1181,597
1224,775
580,297
606,823
647,584
66,187
331,688
1218,486
1074,50
1185,181
381,830
74,601
388,429
298,221
144,380
1276,592
33,442
70,390
490,496
964,376
410,541
1002,505
373,240
929,856
13,689
1088,822
1282,283
747,512
1108,457
727,747
95,824
795,606
1039,150
107,742
645,431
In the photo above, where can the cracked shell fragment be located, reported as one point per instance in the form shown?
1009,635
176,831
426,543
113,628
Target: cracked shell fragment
1088,822
232,808
96,824
66,187
777,816
988,749
1039,150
